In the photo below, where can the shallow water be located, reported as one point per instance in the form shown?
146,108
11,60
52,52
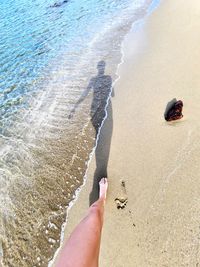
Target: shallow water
51,54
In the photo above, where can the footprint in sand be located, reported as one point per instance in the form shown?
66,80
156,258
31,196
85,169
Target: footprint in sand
122,200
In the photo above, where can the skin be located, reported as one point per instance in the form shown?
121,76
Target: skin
82,247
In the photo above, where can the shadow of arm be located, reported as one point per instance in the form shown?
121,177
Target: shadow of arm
81,99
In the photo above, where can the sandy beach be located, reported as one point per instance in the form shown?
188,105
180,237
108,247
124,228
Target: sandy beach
157,161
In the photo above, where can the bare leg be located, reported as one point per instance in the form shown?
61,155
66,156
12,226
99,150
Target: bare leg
82,247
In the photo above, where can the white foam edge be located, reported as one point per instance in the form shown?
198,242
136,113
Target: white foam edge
154,4
78,190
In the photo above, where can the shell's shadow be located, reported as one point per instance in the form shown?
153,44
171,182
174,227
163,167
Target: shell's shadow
170,104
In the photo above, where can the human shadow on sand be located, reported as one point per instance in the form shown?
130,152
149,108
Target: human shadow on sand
101,85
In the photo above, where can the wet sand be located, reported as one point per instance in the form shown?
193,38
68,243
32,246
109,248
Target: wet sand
153,207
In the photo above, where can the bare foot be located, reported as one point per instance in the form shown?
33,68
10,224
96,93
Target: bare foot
103,186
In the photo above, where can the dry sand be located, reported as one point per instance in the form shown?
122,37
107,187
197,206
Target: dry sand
158,161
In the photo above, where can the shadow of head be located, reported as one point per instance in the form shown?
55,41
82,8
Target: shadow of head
101,67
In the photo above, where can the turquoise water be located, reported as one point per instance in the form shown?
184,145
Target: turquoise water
33,34
49,54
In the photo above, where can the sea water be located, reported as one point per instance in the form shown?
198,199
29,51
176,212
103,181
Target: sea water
58,61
